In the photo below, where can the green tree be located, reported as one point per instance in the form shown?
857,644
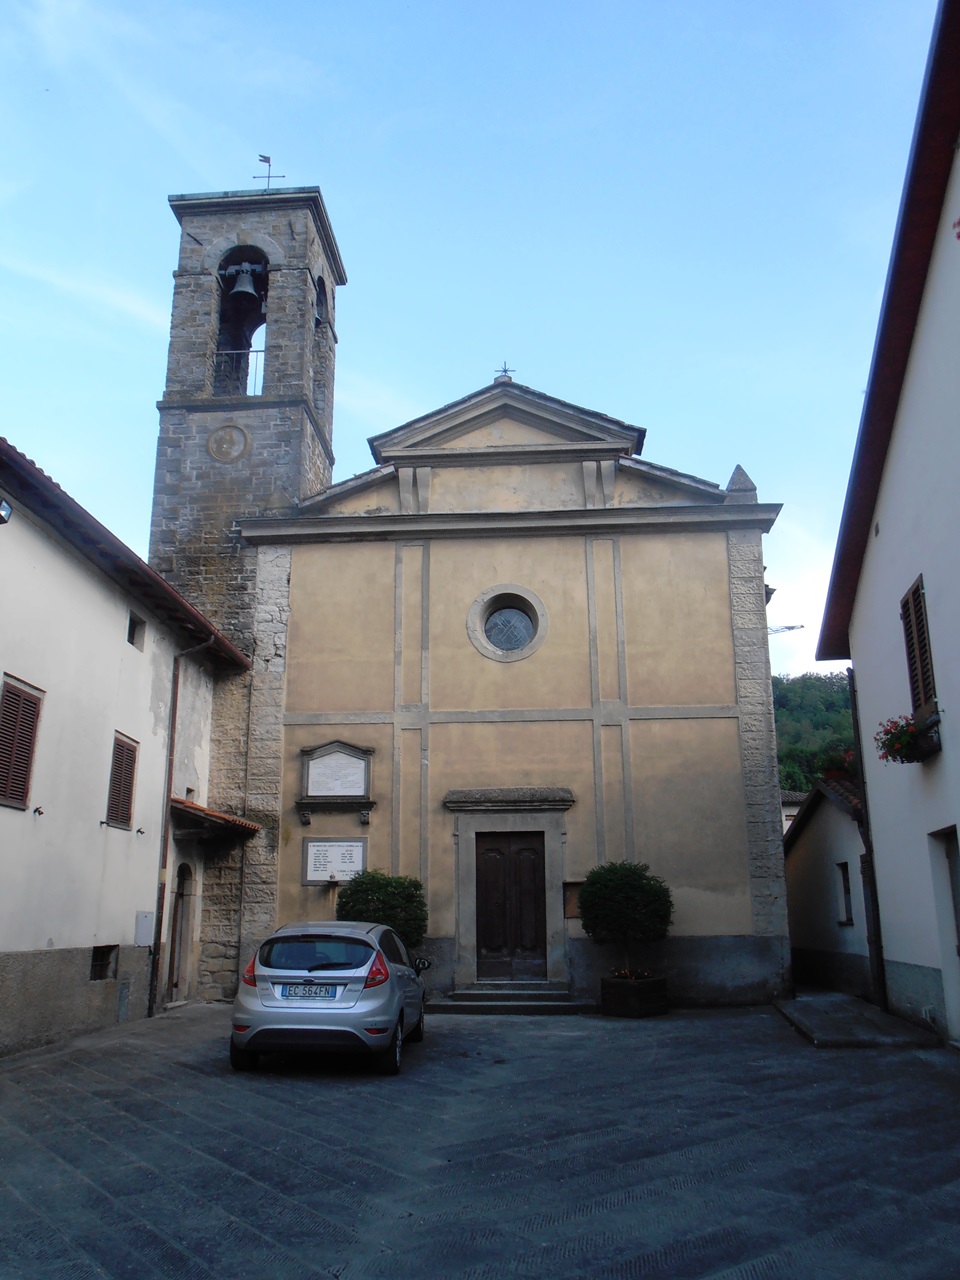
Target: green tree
814,725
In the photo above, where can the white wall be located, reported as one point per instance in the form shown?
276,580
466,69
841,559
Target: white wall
814,886
917,528
65,879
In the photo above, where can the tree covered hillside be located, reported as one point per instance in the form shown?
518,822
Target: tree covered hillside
814,725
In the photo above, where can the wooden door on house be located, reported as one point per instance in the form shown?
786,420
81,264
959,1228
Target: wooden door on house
511,905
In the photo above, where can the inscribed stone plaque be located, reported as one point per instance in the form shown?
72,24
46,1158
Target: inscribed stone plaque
327,860
336,774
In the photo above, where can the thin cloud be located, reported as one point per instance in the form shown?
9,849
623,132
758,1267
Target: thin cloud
92,290
112,47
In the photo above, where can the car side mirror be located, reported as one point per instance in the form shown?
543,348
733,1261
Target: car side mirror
421,963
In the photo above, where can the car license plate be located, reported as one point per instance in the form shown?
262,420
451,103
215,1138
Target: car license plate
308,992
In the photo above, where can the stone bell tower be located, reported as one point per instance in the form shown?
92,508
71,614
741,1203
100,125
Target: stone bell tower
245,429
246,418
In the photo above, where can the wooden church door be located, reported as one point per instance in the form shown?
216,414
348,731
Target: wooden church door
511,905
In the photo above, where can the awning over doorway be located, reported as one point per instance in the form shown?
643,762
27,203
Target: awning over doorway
200,823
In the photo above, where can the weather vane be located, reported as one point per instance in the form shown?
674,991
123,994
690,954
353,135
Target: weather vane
504,372
260,177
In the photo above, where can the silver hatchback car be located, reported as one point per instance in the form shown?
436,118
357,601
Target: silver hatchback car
329,986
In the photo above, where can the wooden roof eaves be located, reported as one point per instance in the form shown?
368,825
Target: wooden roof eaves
24,481
921,208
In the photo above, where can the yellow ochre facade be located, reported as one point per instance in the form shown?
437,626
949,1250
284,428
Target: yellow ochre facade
616,732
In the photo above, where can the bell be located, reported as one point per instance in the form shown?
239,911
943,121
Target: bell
245,282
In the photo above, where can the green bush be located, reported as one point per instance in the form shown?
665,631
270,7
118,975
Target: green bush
397,901
626,904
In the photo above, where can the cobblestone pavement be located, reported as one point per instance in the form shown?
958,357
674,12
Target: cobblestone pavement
700,1144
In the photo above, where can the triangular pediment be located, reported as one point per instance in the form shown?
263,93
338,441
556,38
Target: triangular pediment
503,420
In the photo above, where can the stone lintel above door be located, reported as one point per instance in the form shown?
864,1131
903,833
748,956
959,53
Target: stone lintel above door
512,799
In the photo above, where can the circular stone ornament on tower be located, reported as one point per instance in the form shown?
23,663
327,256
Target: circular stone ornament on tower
507,623
228,443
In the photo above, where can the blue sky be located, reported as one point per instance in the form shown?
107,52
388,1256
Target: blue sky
679,215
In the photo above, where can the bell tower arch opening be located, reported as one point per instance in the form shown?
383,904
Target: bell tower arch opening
244,279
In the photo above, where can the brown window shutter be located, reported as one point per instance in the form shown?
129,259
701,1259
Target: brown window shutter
916,637
120,797
19,716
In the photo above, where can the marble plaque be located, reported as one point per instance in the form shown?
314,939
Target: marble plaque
336,774
326,860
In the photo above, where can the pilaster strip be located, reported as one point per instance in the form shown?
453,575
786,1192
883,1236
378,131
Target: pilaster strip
758,742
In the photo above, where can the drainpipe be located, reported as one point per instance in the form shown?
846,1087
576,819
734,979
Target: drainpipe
165,822
868,872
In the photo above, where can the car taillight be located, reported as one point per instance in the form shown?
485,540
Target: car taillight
379,973
248,977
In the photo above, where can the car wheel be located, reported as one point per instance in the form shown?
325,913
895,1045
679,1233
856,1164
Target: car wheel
389,1063
242,1059
416,1035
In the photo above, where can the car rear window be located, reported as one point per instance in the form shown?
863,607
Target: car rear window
314,952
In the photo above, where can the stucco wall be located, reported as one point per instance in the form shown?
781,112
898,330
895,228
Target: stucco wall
630,701
915,532
69,881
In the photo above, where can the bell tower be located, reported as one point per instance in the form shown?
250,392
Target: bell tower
246,419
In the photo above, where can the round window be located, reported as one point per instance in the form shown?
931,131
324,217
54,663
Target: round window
509,629
507,623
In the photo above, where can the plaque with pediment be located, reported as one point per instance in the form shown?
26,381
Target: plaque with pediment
336,776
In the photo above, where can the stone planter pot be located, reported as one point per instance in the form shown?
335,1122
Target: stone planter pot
633,998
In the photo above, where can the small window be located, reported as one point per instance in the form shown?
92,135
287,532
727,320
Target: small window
916,636
19,717
845,899
136,631
123,769
103,963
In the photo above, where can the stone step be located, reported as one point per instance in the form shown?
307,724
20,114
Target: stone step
511,993
518,984
509,1008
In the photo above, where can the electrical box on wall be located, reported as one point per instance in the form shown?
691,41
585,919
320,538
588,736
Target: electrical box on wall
143,929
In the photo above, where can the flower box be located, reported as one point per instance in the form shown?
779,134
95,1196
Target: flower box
904,741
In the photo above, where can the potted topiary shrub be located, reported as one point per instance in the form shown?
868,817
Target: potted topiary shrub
624,903
396,901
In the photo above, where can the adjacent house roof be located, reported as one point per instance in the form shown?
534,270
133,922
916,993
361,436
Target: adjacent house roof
841,792
22,481
928,172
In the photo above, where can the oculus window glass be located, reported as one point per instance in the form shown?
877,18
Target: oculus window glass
507,623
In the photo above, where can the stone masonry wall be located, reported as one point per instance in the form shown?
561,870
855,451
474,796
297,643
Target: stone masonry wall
758,742
220,459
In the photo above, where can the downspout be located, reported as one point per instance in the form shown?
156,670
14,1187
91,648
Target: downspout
868,873
165,822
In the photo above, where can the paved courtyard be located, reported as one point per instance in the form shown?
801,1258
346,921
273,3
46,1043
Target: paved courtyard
701,1144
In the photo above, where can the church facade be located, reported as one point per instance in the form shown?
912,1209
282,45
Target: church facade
510,651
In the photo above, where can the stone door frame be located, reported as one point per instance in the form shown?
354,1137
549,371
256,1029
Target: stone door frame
508,809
